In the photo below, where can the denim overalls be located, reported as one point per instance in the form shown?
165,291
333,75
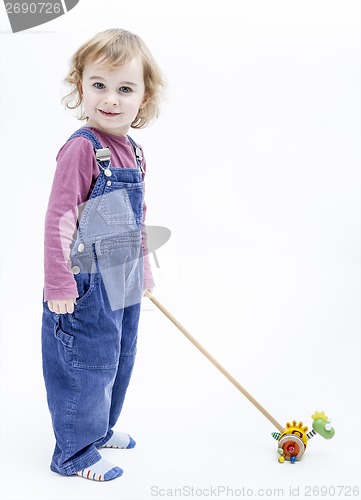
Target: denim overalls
88,356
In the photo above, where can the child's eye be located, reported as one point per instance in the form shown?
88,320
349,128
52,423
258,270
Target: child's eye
98,83
126,90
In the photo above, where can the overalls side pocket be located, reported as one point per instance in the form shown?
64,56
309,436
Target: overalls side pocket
65,341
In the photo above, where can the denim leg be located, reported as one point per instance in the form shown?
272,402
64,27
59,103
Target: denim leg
125,367
72,453
80,364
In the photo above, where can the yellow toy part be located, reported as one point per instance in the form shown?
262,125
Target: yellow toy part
297,429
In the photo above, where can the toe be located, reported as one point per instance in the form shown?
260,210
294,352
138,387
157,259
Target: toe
113,473
131,443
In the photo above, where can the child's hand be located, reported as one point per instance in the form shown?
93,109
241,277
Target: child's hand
146,290
62,306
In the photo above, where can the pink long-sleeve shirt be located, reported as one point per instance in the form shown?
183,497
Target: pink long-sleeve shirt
74,178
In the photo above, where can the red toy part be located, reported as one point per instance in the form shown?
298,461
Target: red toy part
292,446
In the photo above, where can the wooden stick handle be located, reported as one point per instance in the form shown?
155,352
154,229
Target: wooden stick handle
214,362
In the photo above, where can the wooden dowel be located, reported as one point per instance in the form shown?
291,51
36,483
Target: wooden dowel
215,362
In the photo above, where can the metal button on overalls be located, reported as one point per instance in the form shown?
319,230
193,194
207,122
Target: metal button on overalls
75,269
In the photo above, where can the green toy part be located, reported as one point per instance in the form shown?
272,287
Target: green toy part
322,425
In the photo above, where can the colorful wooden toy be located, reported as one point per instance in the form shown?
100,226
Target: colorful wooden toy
293,440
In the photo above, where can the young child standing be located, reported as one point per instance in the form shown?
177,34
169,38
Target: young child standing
95,256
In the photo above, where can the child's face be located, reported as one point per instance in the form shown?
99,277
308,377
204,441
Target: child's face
112,98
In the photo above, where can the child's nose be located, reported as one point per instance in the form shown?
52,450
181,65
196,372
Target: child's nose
111,99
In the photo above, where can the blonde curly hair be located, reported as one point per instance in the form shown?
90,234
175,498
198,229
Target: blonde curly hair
114,48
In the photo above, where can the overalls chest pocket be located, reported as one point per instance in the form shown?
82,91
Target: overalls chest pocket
121,203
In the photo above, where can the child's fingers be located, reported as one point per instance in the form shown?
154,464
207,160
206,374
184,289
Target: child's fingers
70,306
62,306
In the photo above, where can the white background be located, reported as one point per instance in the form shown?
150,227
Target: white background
254,166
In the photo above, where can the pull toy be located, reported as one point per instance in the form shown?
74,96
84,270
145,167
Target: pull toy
292,439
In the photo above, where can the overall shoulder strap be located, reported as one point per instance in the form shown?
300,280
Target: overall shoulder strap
88,134
138,153
102,154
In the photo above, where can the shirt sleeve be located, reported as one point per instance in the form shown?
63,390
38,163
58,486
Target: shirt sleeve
148,276
73,179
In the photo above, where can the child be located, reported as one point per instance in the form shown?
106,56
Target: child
95,242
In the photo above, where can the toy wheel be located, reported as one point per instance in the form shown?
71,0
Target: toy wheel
292,446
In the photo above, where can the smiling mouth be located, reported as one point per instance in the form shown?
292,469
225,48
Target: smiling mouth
108,113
